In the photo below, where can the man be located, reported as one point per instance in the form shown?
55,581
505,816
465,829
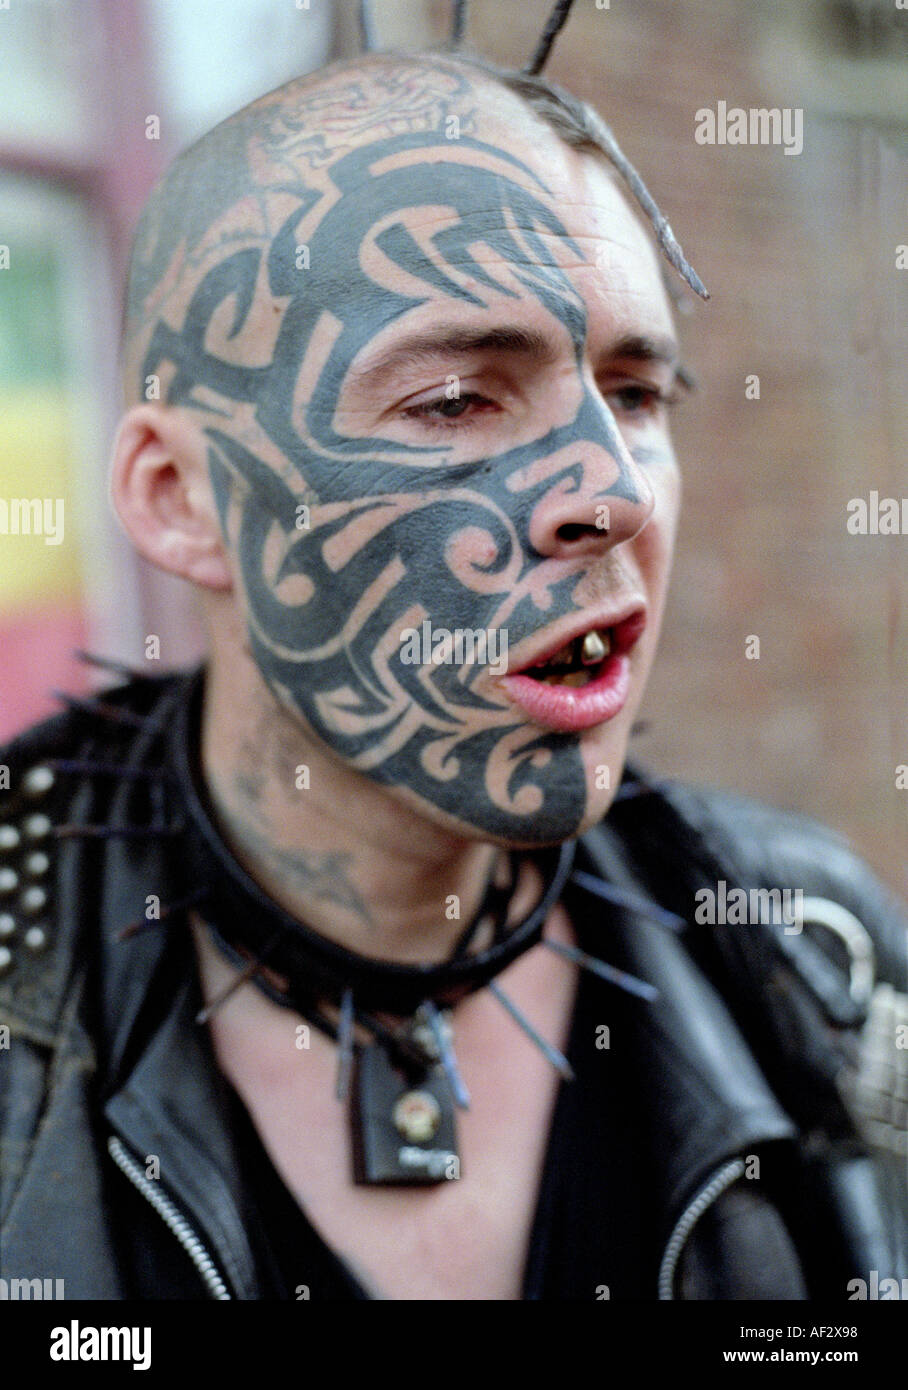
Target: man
398,362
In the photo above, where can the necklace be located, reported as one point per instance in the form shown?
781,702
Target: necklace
402,1079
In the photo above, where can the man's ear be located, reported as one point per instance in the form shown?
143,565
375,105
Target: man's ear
161,492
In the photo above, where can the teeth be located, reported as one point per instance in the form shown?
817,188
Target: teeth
570,664
563,656
595,648
589,650
572,678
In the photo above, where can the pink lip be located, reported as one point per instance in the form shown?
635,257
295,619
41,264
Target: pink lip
568,709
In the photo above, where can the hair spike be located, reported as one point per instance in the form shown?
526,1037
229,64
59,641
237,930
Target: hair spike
580,126
367,30
458,22
554,24
666,238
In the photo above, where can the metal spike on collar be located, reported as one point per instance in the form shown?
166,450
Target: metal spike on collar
633,901
102,709
168,911
106,663
218,1000
89,767
116,832
548,1050
610,973
249,972
447,1056
344,1046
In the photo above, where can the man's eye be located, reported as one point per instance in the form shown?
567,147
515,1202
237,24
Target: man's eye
640,400
443,411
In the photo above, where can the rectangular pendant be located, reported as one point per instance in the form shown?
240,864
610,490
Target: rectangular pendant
403,1133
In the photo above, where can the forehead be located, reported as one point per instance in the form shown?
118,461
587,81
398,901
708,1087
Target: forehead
319,219
486,217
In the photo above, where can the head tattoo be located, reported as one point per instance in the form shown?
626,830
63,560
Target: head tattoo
574,120
282,232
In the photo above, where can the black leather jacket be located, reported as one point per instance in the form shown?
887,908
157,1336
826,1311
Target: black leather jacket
760,1042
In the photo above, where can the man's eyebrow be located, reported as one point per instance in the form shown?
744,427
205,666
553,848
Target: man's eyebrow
511,338
646,348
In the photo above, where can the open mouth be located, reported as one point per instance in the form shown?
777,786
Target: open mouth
576,663
584,682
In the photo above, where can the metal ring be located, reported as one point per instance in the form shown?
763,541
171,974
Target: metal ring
853,935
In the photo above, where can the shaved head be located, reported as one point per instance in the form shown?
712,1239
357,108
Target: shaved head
419,338
223,190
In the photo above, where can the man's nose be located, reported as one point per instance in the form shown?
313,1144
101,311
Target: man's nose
600,499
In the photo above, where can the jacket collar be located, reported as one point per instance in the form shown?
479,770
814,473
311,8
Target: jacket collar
705,1095
174,1103
707,1098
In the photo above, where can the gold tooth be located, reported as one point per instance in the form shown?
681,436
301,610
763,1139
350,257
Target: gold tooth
595,648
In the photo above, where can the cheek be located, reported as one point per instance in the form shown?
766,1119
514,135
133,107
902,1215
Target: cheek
655,544
470,549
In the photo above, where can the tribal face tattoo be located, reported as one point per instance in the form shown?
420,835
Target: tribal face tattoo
386,324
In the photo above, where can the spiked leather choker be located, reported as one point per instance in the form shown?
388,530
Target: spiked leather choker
405,1080
314,966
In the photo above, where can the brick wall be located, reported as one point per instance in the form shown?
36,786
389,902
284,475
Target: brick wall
799,254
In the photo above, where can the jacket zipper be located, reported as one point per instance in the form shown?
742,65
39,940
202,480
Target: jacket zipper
723,1178
171,1217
